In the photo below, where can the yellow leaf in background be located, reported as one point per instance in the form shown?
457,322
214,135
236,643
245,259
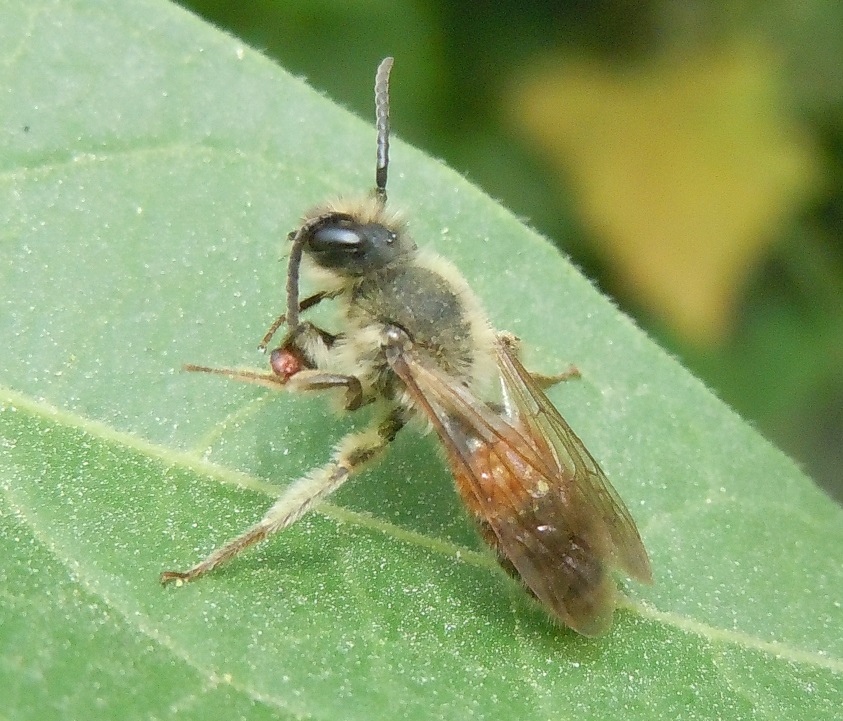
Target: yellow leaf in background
685,169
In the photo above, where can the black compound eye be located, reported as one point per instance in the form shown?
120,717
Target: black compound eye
336,239
354,248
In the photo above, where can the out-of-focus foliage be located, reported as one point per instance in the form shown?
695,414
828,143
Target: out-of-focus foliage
684,169
729,247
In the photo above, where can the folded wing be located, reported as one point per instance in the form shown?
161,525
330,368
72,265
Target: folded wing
539,495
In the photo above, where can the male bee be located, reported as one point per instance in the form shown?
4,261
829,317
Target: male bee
414,342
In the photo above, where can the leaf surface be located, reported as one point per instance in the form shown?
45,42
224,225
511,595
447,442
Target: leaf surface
150,168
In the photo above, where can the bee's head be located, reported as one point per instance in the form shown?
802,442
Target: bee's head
354,243
353,239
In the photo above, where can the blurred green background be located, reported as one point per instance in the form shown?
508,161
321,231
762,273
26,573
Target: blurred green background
687,155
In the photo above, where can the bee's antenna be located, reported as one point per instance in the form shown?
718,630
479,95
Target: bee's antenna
298,239
300,236
293,278
382,125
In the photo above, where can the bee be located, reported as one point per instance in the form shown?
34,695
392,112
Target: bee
415,343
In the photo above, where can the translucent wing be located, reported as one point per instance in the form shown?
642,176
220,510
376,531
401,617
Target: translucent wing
570,456
540,497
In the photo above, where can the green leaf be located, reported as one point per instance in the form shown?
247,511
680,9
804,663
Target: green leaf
151,168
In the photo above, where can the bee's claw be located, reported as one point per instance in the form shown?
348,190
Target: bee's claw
177,577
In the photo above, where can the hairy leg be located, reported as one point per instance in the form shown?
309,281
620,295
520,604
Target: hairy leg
300,354
353,453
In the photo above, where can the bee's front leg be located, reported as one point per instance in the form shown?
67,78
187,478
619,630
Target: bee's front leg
308,302
309,344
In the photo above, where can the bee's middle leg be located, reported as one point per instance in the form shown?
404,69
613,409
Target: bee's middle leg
315,380
301,353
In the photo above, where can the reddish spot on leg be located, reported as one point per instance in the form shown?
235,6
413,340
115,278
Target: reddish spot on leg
285,363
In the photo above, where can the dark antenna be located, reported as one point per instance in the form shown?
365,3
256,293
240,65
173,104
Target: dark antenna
293,278
382,125
302,234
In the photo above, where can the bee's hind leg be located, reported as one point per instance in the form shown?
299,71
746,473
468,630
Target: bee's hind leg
543,380
356,450
548,381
